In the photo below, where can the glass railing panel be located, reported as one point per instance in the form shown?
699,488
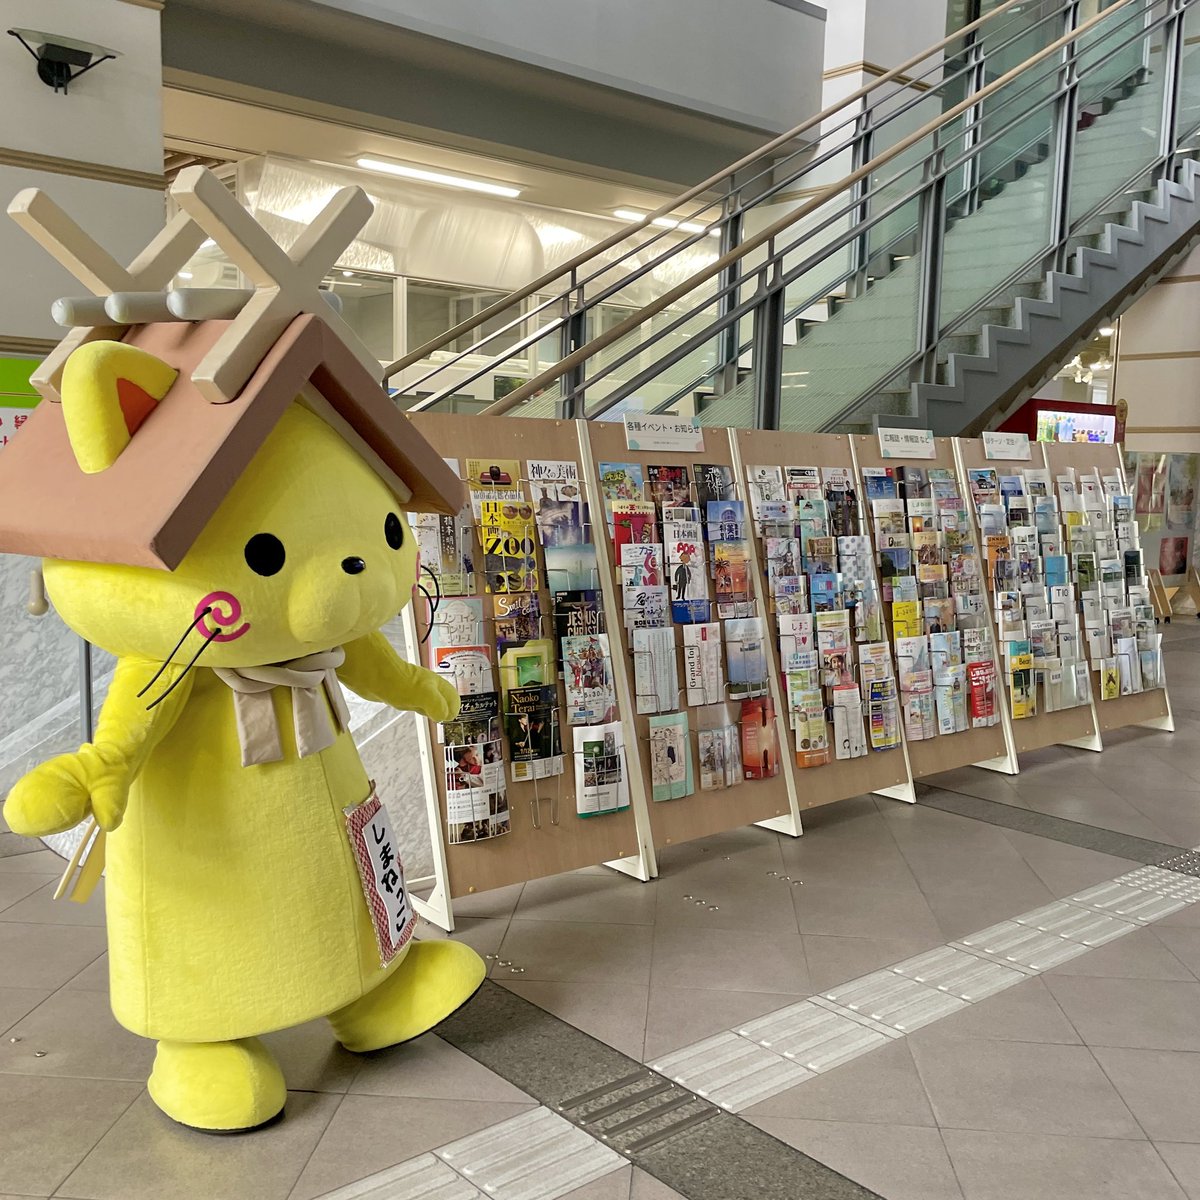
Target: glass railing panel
1009,228
1123,143
1187,116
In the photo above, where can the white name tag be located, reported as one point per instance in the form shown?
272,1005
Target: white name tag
381,874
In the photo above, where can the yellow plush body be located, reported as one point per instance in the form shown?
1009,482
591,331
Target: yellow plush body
234,901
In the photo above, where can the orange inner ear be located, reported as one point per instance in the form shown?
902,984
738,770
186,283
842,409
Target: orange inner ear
136,404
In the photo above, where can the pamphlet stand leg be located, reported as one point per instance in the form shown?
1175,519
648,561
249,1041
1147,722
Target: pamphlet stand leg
906,791
643,865
436,907
789,823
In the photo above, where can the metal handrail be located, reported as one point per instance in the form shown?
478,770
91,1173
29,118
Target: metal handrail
579,356
727,174
943,171
577,313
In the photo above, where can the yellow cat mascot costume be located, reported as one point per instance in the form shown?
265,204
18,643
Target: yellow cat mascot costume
219,506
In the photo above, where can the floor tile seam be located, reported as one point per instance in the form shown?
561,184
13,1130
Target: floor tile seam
1112,1083
1182,965
57,1191
46,881
1131,926
62,987
962,1191
1064,821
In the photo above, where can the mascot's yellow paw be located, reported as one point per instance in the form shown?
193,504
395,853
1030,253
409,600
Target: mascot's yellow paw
60,793
433,980
220,1087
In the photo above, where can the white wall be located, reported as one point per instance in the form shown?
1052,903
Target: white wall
112,117
758,61
1158,364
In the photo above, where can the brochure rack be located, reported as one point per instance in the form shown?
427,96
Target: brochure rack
546,835
1150,708
985,745
886,771
702,813
1076,726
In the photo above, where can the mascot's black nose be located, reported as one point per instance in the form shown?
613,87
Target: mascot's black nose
353,566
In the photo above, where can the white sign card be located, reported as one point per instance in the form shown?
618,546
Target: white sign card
1006,446
662,433
907,443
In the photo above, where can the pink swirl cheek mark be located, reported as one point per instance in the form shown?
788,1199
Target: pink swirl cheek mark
221,609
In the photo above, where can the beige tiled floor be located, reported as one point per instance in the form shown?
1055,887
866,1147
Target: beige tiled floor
1081,1084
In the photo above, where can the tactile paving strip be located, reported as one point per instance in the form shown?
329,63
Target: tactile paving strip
958,973
424,1178
891,999
1129,902
535,1156
731,1071
1166,883
1184,864
1076,924
1021,946
818,1038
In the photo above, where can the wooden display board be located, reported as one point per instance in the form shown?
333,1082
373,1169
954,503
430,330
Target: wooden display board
949,751
700,814
1068,726
1152,708
564,841
877,771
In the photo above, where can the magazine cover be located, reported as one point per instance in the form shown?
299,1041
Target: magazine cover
711,752
670,757
920,718
714,481
981,679
495,480
745,656
562,522
531,725
883,713
534,663
601,784
457,622
655,674
879,483
688,583
985,485
476,798
803,483
587,673
849,737
841,499
517,620
765,484
445,548
726,520
731,570
703,679
620,481
553,480
642,565
506,531
634,522
469,668
669,485
760,747
571,568
645,607
578,613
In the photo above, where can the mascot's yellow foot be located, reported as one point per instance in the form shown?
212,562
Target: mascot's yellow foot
433,980
217,1086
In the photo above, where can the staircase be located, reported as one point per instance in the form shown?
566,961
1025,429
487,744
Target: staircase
942,280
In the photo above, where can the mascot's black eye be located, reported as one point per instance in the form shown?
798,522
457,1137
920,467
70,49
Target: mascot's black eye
264,554
393,530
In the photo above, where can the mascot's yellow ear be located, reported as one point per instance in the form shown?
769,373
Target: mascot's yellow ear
108,390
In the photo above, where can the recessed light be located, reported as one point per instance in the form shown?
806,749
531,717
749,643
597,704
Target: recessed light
1107,331
185,274
347,274
439,177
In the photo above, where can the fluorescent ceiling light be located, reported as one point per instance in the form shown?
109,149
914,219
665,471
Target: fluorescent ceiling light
439,177
185,274
628,214
1107,331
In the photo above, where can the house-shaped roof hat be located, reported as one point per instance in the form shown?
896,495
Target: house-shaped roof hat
241,357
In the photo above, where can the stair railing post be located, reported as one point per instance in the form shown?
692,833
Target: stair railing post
1172,62
1066,119
572,404
976,79
768,347
729,346
931,221
861,153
